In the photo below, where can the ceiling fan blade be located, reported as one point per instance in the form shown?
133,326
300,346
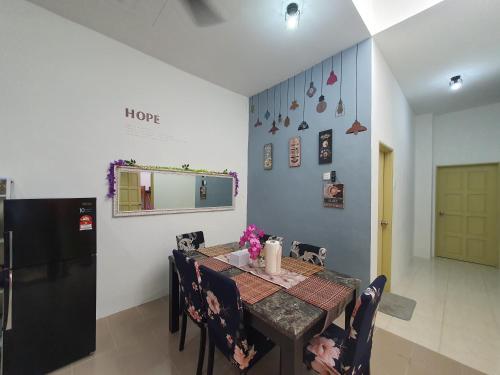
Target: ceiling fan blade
203,14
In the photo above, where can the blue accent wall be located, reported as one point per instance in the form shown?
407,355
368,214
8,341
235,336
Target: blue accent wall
219,192
288,201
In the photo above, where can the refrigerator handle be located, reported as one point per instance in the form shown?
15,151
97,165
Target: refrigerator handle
11,236
7,322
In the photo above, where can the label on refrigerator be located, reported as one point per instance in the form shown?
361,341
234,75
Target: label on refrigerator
85,222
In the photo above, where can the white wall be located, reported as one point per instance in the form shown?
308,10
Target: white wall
63,93
471,136
392,125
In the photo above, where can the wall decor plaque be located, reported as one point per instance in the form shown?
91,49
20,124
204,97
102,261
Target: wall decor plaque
294,152
333,195
268,156
325,146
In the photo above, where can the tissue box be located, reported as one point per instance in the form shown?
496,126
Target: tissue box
239,258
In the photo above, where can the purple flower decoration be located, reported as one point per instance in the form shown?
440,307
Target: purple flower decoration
234,175
252,235
112,178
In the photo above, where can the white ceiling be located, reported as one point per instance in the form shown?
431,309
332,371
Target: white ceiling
453,37
248,53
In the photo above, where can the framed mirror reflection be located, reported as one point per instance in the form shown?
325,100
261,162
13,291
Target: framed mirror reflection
152,192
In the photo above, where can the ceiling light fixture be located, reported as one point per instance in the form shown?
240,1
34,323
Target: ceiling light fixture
292,16
456,83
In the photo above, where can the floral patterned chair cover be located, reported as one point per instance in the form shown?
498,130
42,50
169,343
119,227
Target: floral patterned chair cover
347,352
308,253
192,301
241,345
270,237
190,241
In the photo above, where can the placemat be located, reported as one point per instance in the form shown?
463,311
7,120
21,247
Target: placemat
214,251
322,293
214,264
299,266
285,278
253,289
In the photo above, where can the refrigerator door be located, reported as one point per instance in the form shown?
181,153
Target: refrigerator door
52,311
38,231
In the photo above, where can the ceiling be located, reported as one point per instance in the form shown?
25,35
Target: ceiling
248,53
453,37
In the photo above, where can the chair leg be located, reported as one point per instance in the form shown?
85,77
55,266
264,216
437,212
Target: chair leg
211,353
201,352
183,331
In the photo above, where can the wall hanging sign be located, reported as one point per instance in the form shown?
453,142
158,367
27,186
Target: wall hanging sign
294,152
333,195
268,156
340,110
287,119
321,106
303,125
332,78
258,122
294,104
274,128
356,125
312,89
325,146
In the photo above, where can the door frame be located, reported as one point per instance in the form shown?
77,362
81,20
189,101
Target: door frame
384,244
435,206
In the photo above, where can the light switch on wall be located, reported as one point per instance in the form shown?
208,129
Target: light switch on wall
326,176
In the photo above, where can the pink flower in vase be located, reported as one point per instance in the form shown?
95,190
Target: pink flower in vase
251,236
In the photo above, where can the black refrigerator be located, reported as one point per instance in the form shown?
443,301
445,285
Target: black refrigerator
49,283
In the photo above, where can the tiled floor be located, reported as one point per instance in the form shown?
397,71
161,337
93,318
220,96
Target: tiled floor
137,341
457,312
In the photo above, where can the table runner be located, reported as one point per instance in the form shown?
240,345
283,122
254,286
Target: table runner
285,279
252,288
214,251
299,266
214,264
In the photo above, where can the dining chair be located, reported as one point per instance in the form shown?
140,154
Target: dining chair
242,345
308,253
193,305
270,237
348,352
190,241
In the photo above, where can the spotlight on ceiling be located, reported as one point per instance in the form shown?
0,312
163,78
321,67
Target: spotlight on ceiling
456,83
292,16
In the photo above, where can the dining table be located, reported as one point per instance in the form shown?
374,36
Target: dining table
290,322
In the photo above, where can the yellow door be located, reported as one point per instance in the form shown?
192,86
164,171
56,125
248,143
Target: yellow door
466,213
385,172
129,191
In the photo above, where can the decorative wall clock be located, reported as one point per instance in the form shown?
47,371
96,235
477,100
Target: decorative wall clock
332,78
268,156
325,139
356,125
303,125
294,152
321,106
340,110
312,89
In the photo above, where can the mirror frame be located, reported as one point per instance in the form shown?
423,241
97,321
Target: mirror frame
165,211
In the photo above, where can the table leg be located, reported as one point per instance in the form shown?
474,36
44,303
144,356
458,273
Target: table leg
291,357
173,323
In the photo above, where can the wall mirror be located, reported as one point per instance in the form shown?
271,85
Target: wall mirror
152,192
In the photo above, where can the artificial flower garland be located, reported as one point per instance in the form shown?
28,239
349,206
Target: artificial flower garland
185,168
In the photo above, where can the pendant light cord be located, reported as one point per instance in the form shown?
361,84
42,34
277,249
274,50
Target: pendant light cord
287,94
280,98
321,77
357,47
341,73
304,104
